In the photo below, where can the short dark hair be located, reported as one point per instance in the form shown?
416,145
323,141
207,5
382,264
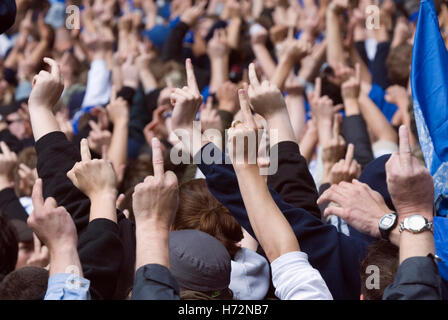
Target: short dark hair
27,283
398,64
9,247
384,255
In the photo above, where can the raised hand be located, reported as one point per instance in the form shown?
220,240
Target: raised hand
333,149
357,204
409,182
130,72
192,14
93,177
350,89
259,36
227,95
345,169
28,178
243,154
209,117
186,101
217,47
265,98
47,87
155,200
338,5
52,224
8,161
118,110
322,107
40,256
296,50
98,139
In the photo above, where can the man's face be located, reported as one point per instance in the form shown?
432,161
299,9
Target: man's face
25,251
18,126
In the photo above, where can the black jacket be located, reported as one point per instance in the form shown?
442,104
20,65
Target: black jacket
8,12
355,131
155,282
106,249
417,278
293,180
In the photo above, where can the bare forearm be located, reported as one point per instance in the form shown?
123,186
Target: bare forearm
282,72
335,50
376,120
42,121
38,53
308,145
233,33
220,72
102,206
351,107
265,59
365,73
296,110
119,144
63,260
282,124
416,245
152,246
269,224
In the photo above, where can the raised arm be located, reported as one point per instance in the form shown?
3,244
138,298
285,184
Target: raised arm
155,202
292,179
54,226
412,191
270,226
47,89
218,53
96,179
335,49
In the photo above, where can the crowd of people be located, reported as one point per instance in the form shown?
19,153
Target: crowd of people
214,150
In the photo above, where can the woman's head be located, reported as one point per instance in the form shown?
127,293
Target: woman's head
199,210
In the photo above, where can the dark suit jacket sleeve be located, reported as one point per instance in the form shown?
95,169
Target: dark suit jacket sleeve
355,131
155,282
293,180
417,278
11,206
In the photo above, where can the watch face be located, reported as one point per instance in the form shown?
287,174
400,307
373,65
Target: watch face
387,221
415,223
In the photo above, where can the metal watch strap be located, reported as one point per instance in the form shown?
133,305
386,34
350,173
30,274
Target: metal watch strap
428,226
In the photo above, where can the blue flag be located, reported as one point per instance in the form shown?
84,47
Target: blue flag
429,80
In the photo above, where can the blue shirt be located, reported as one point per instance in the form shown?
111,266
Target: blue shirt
66,286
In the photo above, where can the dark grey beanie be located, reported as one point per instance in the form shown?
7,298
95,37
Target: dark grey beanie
199,262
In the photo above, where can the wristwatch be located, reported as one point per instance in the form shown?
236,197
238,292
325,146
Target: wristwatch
415,224
386,224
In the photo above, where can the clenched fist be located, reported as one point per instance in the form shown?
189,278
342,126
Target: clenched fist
47,87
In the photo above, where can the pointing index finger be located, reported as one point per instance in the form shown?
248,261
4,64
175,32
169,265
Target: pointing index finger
85,151
404,147
157,158
350,153
245,107
36,196
191,78
253,76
